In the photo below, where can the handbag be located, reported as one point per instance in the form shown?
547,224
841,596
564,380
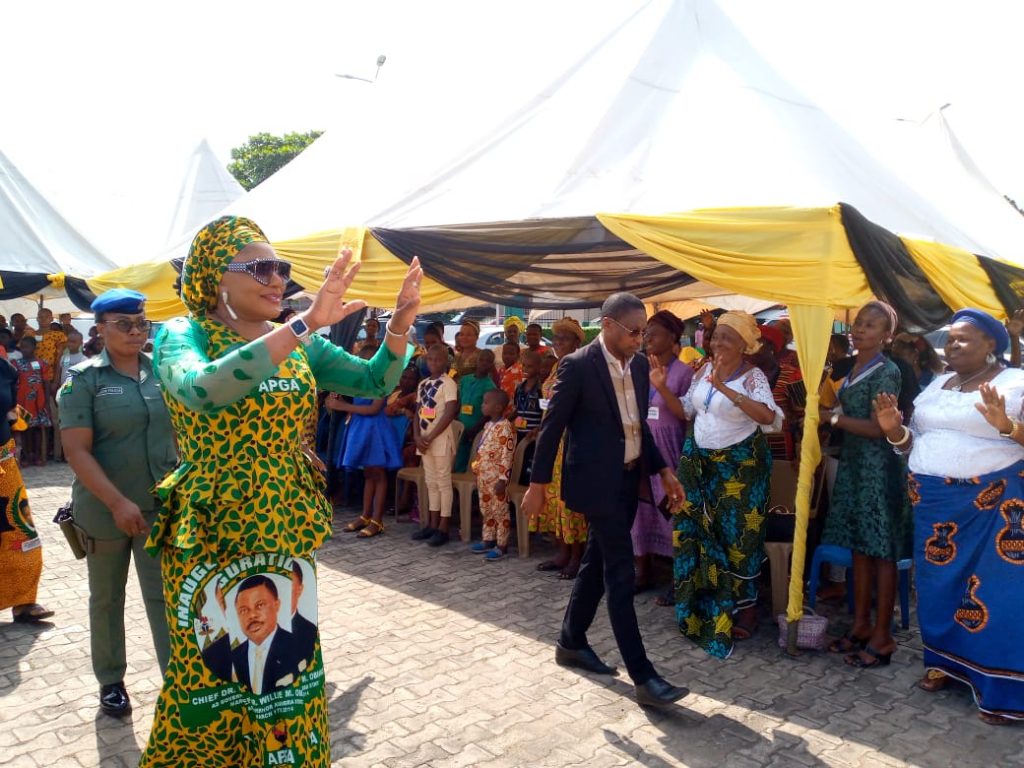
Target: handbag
810,631
75,535
780,525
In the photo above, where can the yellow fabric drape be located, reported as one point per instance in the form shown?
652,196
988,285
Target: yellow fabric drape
380,274
956,276
812,330
786,255
154,279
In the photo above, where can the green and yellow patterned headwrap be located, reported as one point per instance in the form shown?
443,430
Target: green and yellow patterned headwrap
212,250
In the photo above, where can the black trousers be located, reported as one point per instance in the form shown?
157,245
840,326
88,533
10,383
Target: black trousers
607,567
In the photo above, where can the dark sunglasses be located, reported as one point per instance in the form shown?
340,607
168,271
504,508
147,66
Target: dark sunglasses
635,333
263,270
124,325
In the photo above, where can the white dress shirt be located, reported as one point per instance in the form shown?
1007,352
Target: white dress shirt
258,665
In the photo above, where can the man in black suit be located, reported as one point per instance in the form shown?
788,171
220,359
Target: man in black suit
600,401
267,659
303,629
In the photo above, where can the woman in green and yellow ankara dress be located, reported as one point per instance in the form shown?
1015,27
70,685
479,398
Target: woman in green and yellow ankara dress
244,513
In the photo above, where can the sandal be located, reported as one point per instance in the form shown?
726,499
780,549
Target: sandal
743,631
31,613
877,659
550,565
358,524
666,599
989,719
933,681
569,572
371,529
848,643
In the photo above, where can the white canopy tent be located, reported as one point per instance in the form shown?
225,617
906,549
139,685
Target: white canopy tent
206,189
35,239
672,109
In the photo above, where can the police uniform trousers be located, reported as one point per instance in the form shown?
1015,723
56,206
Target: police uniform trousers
107,561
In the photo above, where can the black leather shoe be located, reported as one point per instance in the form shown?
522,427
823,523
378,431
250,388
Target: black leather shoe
584,659
423,534
659,692
114,700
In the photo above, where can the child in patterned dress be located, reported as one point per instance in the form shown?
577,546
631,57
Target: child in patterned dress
511,370
492,467
437,406
526,410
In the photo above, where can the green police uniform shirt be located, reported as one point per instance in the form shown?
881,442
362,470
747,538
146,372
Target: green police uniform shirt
132,439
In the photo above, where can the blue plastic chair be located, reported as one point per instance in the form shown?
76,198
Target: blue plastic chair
829,553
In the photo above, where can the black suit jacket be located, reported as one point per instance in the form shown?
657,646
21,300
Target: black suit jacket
304,631
583,407
281,661
217,657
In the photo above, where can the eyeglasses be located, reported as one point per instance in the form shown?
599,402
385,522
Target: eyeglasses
124,325
263,270
634,333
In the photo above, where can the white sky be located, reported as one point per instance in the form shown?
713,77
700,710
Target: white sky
103,102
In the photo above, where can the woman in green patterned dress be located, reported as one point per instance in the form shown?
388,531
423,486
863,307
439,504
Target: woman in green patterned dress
244,513
870,508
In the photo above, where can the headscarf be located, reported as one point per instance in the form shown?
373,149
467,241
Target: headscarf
514,321
987,325
669,322
774,336
746,326
473,324
212,250
569,325
885,309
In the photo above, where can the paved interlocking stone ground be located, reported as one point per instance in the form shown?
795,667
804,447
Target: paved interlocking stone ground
435,658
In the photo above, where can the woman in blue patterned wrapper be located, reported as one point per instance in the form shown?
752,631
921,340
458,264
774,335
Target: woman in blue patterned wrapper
966,455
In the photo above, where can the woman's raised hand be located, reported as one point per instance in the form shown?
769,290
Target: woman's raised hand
329,305
887,412
408,302
659,374
993,408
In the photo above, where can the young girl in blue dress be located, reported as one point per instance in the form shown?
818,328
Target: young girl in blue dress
373,445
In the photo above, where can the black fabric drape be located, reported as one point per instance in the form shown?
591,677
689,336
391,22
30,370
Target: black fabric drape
1007,282
18,284
79,293
569,263
892,273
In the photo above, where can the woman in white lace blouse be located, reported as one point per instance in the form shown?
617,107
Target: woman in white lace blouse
725,469
966,448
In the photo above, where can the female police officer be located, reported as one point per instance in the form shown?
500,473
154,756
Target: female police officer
117,437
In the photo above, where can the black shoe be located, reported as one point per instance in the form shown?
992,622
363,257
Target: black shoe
114,700
423,534
584,659
439,539
659,692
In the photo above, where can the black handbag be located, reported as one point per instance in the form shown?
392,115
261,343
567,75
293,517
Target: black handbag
781,524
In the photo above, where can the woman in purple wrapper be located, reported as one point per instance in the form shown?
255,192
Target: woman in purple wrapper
670,380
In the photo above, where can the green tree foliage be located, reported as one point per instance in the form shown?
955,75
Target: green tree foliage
264,154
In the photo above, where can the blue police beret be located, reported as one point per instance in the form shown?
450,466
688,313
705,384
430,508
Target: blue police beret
119,300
